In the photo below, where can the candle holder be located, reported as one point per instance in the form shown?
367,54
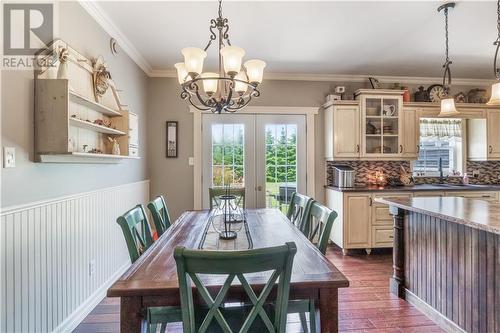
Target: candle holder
230,214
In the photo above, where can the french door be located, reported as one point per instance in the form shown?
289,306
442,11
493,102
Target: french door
266,154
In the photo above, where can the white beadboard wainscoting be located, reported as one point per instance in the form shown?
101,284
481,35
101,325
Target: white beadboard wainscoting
58,257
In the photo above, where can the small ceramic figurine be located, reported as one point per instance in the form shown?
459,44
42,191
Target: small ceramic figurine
116,147
421,95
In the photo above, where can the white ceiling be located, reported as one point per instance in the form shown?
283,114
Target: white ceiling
398,38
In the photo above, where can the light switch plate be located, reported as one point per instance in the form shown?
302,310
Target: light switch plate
191,161
9,157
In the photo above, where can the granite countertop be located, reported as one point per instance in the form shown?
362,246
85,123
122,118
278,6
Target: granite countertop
422,187
474,213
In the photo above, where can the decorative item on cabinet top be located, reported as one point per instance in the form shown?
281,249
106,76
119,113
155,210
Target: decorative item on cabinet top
79,117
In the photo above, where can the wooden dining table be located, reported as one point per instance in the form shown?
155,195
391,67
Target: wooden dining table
152,280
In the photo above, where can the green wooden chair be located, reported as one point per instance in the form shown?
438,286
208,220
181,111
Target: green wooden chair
317,229
233,264
137,233
159,212
319,225
298,210
215,192
136,230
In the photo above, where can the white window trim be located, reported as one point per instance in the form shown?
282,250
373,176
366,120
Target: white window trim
309,112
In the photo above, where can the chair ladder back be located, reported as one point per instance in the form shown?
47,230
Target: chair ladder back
320,223
235,264
298,210
138,240
159,212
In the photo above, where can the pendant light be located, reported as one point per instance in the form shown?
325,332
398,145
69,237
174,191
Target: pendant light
495,88
448,108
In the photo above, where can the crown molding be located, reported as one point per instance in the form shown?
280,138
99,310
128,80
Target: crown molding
349,78
100,16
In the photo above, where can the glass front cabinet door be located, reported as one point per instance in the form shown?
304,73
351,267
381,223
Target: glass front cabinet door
381,124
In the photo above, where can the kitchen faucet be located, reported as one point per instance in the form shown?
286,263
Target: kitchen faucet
441,176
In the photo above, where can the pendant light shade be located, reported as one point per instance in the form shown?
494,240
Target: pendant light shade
255,70
448,108
181,72
209,85
193,60
232,56
495,94
240,87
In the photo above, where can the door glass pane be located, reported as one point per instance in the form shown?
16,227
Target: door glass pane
228,155
281,164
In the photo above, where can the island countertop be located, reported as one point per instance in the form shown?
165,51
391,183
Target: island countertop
474,213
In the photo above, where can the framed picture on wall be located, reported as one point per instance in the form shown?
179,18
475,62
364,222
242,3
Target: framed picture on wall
172,137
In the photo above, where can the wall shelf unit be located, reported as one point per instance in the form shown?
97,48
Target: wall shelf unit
69,114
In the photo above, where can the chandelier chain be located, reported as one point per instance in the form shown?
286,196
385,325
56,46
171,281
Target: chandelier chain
498,20
448,62
446,34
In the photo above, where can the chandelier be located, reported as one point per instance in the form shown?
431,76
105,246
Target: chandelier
447,104
229,90
495,88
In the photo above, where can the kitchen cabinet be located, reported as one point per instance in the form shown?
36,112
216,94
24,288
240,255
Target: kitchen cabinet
381,123
493,134
357,214
487,196
410,133
342,130
375,126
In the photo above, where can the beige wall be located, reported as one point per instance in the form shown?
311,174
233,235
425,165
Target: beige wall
173,177
30,181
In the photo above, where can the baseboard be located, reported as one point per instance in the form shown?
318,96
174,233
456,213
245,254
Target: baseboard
443,322
74,319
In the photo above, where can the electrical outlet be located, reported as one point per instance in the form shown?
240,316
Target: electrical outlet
91,267
9,157
475,173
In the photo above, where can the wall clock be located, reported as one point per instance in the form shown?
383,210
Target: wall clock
437,92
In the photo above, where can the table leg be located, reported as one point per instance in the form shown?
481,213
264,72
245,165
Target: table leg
329,310
130,315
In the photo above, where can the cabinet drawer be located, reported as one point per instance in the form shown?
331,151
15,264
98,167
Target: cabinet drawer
133,151
382,236
380,213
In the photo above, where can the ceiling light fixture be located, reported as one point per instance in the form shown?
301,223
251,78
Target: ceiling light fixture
229,90
447,104
495,88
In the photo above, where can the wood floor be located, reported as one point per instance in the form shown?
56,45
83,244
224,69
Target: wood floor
366,306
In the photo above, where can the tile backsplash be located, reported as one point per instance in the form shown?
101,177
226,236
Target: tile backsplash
489,171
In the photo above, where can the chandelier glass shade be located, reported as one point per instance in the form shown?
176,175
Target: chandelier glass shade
235,84
495,88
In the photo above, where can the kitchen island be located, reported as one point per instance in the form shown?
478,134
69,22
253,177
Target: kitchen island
447,260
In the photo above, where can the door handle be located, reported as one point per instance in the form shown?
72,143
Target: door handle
418,149
400,149
357,149
490,149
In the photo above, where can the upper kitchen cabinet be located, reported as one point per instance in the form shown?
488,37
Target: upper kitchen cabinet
381,123
484,137
342,131
374,126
